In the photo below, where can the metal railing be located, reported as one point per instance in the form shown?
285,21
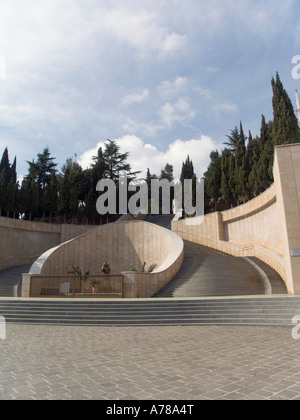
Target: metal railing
74,286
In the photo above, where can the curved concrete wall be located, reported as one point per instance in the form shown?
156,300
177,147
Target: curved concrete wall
21,242
123,245
267,227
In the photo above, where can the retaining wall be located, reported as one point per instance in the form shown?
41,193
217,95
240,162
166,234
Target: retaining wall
267,227
21,242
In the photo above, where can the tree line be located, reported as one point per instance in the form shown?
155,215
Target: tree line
68,195
243,170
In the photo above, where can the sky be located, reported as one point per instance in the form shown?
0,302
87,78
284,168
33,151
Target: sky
164,78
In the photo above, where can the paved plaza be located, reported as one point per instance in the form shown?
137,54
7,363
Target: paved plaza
156,363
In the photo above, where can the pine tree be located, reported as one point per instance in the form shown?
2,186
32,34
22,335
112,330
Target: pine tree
233,140
167,173
285,128
115,161
41,169
99,167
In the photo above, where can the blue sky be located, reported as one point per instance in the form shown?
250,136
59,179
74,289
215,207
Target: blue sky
165,78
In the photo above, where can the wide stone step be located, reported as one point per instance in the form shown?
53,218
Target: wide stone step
248,311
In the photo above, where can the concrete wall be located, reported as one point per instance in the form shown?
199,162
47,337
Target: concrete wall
287,182
267,227
21,242
123,245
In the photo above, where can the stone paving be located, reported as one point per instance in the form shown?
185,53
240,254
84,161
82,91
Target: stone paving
156,363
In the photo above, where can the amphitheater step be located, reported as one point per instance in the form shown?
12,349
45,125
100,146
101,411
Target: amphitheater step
234,311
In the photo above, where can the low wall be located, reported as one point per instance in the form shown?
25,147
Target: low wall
21,242
123,246
267,227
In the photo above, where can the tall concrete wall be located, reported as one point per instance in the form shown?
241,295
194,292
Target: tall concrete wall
21,242
267,227
287,182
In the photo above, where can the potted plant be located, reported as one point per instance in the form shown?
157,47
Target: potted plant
79,272
94,284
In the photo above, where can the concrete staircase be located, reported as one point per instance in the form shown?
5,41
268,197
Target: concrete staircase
10,280
256,311
207,273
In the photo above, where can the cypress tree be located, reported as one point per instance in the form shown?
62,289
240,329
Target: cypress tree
187,171
285,127
2,191
213,177
13,170
53,195
240,180
5,166
261,176
227,165
30,197
12,199
65,196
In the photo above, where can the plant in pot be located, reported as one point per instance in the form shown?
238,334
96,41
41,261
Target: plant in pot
79,272
94,284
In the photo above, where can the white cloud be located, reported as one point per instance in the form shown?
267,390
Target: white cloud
135,98
143,32
171,89
180,112
227,106
149,129
215,102
143,156
168,114
173,43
